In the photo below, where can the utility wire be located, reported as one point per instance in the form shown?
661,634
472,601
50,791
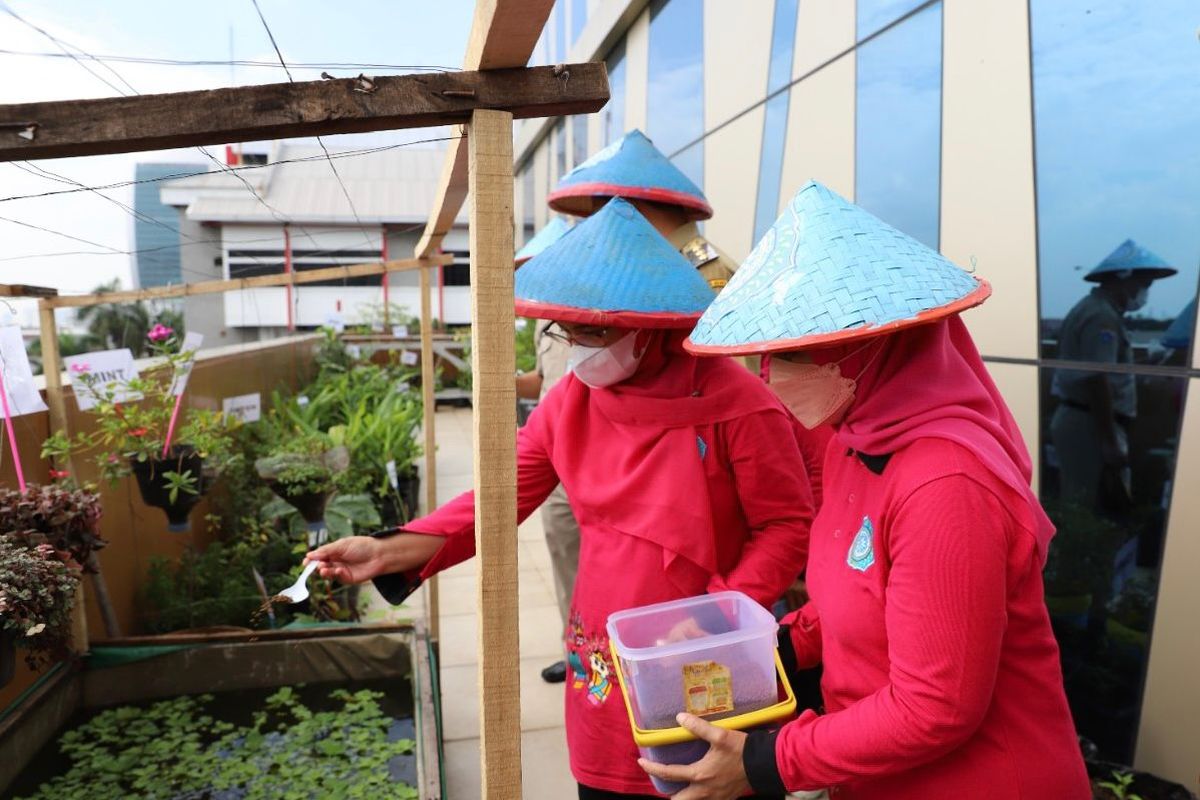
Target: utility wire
174,62
324,149
242,168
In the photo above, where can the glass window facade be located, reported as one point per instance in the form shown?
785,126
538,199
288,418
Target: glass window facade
899,126
875,14
578,19
559,164
770,166
579,140
614,111
527,195
675,92
1116,122
559,21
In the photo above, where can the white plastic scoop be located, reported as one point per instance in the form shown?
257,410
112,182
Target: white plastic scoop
298,591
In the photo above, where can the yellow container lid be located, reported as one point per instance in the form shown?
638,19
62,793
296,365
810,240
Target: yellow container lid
660,737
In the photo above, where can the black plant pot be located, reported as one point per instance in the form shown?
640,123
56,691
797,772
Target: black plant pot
1145,785
8,657
401,506
311,505
153,485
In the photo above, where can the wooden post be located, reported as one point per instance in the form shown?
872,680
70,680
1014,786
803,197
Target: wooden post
429,403
489,142
52,370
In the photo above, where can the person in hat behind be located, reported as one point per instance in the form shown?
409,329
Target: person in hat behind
941,673
684,473
558,523
1090,427
632,168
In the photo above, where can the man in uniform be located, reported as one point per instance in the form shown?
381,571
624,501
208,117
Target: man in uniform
634,169
1090,427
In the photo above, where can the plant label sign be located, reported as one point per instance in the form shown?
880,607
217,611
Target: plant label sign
23,396
400,331
246,407
408,358
102,375
191,344
354,350
393,476
376,327
522,323
336,322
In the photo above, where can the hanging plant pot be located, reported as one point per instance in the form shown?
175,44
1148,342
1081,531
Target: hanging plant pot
401,506
8,657
311,505
156,491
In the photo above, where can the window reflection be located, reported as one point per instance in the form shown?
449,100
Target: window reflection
578,19
614,111
899,125
579,140
1102,573
875,14
675,95
559,135
1118,160
770,168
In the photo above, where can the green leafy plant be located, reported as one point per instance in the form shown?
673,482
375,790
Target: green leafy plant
1121,786
345,515
176,482
129,431
37,592
69,521
1134,606
178,748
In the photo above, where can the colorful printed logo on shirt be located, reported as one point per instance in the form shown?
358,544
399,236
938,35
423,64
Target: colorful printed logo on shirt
862,549
702,447
588,662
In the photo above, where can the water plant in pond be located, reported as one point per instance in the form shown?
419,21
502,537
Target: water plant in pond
288,751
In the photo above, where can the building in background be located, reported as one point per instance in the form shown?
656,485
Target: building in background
156,226
293,214
1025,139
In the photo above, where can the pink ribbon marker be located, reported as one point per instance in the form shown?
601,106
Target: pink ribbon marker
171,425
12,437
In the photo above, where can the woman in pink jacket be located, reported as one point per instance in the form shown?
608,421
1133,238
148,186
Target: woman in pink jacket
941,675
684,473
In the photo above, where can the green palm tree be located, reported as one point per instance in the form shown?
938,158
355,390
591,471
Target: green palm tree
120,325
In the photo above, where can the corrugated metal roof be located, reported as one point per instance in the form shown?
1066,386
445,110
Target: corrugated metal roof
391,186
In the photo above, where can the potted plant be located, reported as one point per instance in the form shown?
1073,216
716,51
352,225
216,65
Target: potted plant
174,453
67,520
302,472
1131,611
37,591
1079,564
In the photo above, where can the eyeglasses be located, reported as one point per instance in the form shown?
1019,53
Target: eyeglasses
584,335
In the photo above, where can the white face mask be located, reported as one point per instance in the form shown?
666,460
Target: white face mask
604,366
1138,300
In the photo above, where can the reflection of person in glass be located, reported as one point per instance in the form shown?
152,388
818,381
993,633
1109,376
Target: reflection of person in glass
1090,428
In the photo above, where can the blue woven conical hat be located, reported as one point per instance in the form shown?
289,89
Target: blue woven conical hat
613,269
1179,334
550,233
631,167
1129,258
828,272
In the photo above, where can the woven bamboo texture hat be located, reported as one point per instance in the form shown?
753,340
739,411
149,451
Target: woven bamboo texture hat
1128,259
633,168
550,233
1182,329
613,269
828,272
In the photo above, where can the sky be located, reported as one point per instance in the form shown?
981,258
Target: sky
408,32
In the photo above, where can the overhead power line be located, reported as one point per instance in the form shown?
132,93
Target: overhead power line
179,62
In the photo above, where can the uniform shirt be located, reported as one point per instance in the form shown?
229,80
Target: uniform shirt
552,356
716,267
941,673
1094,330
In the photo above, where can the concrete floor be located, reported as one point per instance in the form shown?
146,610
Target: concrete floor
545,774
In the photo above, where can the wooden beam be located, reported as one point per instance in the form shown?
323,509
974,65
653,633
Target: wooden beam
503,34
489,143
429,405
283,110
257,282
21,290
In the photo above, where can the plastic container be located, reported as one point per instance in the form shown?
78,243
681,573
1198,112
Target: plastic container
727,672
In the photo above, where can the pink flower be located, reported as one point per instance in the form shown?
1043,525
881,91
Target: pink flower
137,432
80,368
55,474
160,333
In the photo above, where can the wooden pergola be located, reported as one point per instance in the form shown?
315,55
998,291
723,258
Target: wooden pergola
494,88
